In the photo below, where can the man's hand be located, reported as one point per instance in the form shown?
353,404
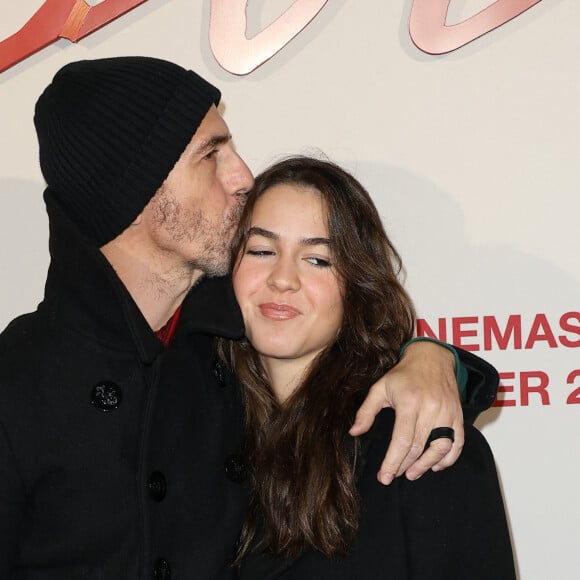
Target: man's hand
423,391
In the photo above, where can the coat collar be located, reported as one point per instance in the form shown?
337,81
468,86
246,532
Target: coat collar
83,292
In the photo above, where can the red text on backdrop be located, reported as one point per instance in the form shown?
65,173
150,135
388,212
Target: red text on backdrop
233,50
518,333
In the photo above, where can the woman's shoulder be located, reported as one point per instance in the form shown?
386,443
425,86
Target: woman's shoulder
476,456
443,516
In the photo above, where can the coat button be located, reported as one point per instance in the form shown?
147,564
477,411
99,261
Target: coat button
107,396
157,486
218,373
236,469
162,570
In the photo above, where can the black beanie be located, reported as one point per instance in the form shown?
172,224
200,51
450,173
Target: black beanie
109,133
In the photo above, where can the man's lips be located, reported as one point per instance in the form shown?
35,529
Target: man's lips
278,311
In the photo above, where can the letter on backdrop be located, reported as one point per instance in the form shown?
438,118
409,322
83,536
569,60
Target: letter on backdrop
241,55
430,34
70,19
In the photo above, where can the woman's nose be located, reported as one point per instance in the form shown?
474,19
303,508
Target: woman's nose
284,276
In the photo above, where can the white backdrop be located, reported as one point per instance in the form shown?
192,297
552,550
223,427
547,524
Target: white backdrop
471,158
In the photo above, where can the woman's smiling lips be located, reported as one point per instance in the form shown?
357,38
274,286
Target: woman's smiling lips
278,311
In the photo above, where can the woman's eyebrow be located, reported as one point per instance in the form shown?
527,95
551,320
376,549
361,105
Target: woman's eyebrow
315,241
258,231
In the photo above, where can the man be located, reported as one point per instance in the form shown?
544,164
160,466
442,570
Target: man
119,433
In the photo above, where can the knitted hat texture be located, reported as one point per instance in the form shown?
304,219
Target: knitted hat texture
109,133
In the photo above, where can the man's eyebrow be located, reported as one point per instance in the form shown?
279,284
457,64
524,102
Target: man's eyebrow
257,231
212,142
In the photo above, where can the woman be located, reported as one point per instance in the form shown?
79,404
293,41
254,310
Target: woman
316,278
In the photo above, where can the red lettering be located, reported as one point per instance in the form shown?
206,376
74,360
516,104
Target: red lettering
75,19
530,382
40,31
541,331
70,19
103,13
498,335
459,333
503,389
566,326
526,387
423,329
513,328
574,396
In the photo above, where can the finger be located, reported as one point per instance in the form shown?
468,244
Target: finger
365,416
433,455
403,450
450,458
440,454
410,433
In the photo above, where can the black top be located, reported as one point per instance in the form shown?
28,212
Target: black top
449,525
115,453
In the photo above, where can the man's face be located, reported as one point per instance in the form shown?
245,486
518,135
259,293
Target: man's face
193,215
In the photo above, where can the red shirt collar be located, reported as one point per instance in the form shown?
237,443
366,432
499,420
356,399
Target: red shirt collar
167,332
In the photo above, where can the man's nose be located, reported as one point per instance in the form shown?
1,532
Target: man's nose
242,176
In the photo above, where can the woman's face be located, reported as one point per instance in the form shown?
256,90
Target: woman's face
285,282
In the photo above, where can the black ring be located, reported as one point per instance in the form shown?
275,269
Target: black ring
441,433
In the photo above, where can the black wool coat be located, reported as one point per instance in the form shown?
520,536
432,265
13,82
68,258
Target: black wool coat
449,525
118,458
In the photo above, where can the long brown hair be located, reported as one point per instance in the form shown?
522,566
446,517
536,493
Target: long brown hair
300,456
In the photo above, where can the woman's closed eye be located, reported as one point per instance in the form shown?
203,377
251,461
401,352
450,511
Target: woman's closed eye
259,252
